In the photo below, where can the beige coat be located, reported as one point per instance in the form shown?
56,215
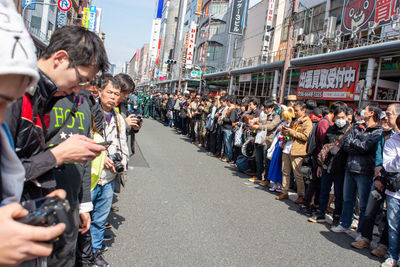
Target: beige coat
270,126
300,137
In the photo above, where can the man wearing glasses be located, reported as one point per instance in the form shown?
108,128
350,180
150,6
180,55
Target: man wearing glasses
71,60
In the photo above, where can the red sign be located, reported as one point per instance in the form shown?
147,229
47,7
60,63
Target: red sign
64,5
329,82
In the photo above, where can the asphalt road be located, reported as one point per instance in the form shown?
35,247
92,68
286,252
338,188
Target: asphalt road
181,207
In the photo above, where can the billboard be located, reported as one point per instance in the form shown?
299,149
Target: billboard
239,8
333,82
357,14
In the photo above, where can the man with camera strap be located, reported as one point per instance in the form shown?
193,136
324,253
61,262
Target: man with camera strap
115,161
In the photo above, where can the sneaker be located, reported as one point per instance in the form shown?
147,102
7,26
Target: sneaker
254,179
98,260
104,249
224,159
389,262
318,217
272,188
360,244
278,189
264,183
339,229
380,251
107,237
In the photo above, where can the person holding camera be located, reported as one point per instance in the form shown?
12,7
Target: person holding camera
115,161
377,195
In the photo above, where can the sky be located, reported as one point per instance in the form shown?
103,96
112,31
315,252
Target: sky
127,25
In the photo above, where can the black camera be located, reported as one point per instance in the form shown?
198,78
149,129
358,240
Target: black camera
117,158
140,119
48,211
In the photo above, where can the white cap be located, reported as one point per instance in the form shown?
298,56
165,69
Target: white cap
17,51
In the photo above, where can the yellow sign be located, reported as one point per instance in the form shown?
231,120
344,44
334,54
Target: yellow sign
85,17
198,11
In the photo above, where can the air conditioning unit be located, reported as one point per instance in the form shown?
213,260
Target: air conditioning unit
330,27
309,39
299,36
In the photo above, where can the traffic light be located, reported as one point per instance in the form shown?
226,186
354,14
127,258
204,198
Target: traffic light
203,83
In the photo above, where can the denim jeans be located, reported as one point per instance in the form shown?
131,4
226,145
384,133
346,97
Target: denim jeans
355,184
220,138
326,183
393,218
102,197
228,148
260,160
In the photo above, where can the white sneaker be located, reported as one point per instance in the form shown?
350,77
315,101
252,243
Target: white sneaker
272,188
389,262
339,229
278,189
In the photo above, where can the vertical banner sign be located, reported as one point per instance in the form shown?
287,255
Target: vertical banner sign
97,21
191,42
237,17
158,52
358,13
85,18
61,18
331,82
160,8
198,11
92,18
268,26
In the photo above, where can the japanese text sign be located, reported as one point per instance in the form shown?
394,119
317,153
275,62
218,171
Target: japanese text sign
237,17
333,82
191,43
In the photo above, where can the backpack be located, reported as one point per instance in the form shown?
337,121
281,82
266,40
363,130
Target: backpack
312,144
242,163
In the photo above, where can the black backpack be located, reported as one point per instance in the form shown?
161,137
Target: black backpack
312,144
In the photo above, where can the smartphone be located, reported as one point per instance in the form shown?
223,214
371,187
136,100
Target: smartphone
105,143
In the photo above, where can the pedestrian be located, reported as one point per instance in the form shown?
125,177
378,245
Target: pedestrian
294,151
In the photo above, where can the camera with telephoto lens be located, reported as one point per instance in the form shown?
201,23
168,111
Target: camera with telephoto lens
117,158
49,211
139,119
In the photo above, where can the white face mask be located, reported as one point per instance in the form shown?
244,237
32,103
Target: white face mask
362,114
340,123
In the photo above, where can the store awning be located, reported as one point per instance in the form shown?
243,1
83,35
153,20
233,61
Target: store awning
365,52
259,68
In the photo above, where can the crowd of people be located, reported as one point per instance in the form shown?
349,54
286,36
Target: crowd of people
341,161
64,131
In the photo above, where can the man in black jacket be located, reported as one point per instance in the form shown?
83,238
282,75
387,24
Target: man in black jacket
228,120
360,145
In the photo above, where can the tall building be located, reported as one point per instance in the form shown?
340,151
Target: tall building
143,68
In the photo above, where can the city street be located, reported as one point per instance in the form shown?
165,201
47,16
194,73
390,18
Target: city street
181,207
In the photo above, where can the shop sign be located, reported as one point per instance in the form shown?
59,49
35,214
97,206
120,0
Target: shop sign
191,43
85,18
245,78
61,18
92,18
357,14
331,82
238,16
386,90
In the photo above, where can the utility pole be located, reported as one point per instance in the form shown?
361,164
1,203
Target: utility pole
288,55
206,53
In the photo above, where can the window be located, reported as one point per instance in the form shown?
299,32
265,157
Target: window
217,28
215,52
218,8
36,22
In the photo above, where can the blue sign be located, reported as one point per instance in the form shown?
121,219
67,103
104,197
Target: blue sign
160,8
61,18
31,6
92,18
